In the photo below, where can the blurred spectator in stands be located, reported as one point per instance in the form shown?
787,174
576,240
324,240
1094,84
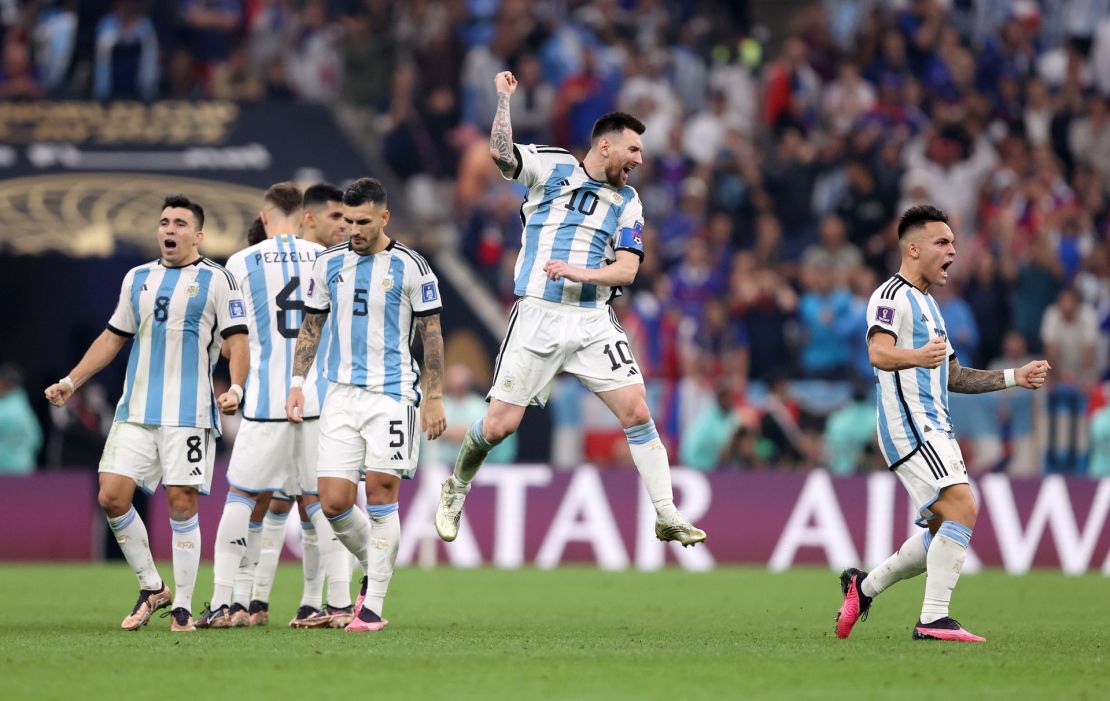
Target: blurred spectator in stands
17,75
706,440
55,37
865,211
789,176
781,425
1073,238
1069,332
1035,288
731,76
720,343
579,100
850,431
1098,465
368,61
696,280
988,296
533,103
127,55
79,427
847,98
181,77
792,87
957,164
276,82
208,27
959,321
270,27
1016,412
826,344
863,283
312,63
747,450
478,92
832,253
234,80
704,134
766,302
646,93
20,433
462,406
1037,117
678,231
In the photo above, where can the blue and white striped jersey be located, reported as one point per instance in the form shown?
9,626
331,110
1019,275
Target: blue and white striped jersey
569,216
912,402
371,301
173,315
272,275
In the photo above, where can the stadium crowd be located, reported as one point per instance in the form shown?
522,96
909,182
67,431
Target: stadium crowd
775,169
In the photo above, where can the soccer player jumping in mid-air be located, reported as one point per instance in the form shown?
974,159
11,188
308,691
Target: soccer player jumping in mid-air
582,240
916,368
166,420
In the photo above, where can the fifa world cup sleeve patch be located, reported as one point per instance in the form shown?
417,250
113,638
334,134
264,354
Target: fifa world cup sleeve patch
311,287
632,237
236,309
428,292
885,315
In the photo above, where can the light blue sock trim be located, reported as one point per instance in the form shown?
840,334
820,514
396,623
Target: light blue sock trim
186,526
237,498
255,525
120,522
475,434
312,508
380,510
307,526
276,516
644,433
343,516
927,539
956,532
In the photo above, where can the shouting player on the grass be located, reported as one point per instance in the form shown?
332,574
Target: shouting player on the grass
917,368
175,309
582,240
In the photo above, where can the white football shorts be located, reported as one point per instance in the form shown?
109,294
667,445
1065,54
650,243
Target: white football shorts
937,464
360,429
546,338
177,456
275,456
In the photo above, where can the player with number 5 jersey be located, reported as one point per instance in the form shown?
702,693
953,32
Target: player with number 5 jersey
582,240
373,293
175,310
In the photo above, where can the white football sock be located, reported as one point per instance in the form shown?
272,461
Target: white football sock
186,560
650,456
244,576
908,561
385,538
271,541
130,532
352,528
334,558
946,558
231,547
310,566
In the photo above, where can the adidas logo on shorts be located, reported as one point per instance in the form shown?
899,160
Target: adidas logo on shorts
397,456
196,472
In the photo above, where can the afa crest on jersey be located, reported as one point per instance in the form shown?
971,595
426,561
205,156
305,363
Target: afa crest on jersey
193,289
387,284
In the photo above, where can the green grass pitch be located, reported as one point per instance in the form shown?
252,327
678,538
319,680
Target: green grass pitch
572,633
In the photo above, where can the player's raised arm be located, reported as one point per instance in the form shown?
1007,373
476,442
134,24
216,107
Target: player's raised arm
501,136
432,418
308,341
106,346
883,354
1032,375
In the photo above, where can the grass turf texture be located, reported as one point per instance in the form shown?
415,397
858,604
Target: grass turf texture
571,633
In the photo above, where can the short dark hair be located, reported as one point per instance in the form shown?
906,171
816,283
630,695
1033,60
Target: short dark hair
364,190
919,216
186,203
615,121
286,197
322,193
256,232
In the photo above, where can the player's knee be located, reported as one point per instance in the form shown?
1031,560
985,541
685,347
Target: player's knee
334,506
112,503
497,429
636,414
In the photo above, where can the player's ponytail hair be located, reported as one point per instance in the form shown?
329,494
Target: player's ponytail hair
615,122
919,216
364,190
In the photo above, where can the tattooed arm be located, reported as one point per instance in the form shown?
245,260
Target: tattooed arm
971,381
432,418
308,340
501,136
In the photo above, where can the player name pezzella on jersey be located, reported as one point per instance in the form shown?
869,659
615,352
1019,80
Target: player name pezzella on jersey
283,257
